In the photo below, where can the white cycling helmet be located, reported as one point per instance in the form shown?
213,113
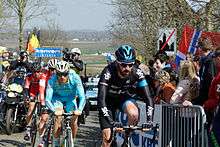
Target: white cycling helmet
62,66
75,50
52,63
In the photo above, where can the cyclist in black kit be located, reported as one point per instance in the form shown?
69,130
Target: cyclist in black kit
22,62
120,82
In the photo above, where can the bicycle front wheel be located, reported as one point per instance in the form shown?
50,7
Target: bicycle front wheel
69,138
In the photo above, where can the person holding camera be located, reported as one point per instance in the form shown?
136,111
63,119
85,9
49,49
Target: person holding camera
74,59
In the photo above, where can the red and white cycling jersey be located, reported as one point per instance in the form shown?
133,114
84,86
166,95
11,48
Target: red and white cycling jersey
36,83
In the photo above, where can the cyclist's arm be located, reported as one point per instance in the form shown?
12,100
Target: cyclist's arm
144,92
80,92
78,64
28,81
42,86
49,96
102,91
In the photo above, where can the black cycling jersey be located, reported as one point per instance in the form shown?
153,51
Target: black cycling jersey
17,63
112,87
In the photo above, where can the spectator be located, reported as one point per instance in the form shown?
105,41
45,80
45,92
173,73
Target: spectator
210,105
188,86
75,62
207,71
165,89
214,90
139,63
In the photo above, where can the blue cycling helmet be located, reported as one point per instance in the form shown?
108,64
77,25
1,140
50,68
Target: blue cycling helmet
110,58
125,54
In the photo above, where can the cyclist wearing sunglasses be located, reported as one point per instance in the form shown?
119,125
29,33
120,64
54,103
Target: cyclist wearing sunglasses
22,61
119,83
31,92
61,91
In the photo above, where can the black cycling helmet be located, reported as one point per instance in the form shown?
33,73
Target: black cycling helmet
23,53
125,54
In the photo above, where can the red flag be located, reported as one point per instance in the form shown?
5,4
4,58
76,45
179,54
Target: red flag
189,41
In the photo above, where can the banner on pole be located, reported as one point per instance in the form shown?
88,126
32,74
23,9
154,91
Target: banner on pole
48,52
167,40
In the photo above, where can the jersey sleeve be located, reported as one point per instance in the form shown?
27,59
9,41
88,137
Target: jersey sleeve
79,90
28,81
49,94
105,77
42,86
102,90
141,81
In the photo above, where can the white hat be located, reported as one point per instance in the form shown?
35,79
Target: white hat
76,50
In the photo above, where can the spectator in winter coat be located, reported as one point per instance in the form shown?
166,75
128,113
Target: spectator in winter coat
212,104
207,71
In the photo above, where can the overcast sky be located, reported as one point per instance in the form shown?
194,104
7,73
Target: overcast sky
81,14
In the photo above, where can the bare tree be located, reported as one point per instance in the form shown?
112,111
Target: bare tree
5,16
25,10
137,21
53,35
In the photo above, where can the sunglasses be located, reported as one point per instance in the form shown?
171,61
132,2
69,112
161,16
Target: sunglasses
52,69
60,74
124,65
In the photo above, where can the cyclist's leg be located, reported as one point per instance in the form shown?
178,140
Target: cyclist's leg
58,118
29,119
30,112
43,120
131,109
106,128
70,107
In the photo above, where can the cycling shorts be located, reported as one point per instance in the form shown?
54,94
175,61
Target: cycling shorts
117,104
69,106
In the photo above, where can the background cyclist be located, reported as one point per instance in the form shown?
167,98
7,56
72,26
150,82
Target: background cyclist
42,87
61,90
31,91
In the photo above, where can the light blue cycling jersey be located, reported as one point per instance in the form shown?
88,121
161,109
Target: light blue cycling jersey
65,92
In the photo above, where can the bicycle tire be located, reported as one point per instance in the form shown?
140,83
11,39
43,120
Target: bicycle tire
34,126
33,132
69,138
47,136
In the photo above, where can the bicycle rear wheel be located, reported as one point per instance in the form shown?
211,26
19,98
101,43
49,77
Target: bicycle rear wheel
34,126
33,132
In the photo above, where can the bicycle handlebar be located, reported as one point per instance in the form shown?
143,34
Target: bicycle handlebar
67,114
144,127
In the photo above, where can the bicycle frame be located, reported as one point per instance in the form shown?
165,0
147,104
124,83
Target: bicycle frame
67,140
35,116
48,130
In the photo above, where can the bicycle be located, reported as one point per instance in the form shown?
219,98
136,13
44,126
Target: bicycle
67,139
34,123
128,129
49,131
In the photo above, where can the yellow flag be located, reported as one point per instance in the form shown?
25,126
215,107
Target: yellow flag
32,43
